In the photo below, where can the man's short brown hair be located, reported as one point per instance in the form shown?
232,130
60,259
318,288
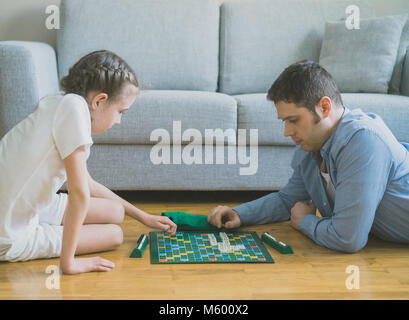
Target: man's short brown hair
304,83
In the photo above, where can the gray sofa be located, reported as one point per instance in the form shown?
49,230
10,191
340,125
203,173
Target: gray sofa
202,65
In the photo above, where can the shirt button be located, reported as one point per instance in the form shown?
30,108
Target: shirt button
325,203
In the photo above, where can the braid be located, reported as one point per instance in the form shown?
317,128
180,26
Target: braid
99,70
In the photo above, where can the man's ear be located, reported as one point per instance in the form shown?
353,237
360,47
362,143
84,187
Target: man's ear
98,99
324,107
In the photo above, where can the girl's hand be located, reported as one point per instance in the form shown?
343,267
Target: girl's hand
81,265
161,223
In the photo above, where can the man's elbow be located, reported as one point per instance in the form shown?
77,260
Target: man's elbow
352,246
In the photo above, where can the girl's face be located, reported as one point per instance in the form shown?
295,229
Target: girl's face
105,113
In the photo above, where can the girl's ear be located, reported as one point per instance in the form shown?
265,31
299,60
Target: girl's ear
98,99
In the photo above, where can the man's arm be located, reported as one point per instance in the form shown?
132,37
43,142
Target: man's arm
275,206
363,168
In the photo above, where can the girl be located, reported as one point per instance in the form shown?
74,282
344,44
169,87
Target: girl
51,146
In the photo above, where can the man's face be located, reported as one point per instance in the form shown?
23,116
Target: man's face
302,126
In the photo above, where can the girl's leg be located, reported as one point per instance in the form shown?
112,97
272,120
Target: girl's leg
99,237
103,211
100,230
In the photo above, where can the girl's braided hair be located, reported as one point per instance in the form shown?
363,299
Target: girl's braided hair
100,70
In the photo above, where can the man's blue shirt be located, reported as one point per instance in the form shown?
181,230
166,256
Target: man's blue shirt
369,169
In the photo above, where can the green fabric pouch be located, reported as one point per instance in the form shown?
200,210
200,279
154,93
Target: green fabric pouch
190,222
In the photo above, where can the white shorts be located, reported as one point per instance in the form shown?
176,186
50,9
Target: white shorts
45,240
54,213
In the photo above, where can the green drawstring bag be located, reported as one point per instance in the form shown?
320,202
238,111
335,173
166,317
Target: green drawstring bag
190,222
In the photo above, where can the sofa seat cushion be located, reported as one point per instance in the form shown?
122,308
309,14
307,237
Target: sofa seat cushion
256,112
129,167
162,109
393,109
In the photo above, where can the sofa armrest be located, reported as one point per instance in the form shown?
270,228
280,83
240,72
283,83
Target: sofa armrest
28,72
404,87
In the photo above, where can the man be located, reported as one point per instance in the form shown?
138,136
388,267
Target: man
347,164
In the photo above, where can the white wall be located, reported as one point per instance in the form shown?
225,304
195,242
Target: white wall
25,19
390,7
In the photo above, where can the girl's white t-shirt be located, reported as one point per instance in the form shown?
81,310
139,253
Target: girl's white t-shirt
32,167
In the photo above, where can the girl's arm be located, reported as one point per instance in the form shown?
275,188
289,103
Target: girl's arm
77,208
160,222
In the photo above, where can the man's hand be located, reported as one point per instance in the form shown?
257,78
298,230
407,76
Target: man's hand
300,210
223,216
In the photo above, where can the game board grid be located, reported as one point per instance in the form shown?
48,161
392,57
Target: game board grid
194,247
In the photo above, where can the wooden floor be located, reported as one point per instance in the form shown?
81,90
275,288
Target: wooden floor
312,272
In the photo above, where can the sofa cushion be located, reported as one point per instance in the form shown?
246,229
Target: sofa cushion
362,60
394,86
159,109
256,112
170,44
111,166
259,39
404,86
394,110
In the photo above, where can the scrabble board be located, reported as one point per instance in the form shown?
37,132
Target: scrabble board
207,247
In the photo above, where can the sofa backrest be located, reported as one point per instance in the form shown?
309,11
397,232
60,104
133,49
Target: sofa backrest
170,44
259,39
